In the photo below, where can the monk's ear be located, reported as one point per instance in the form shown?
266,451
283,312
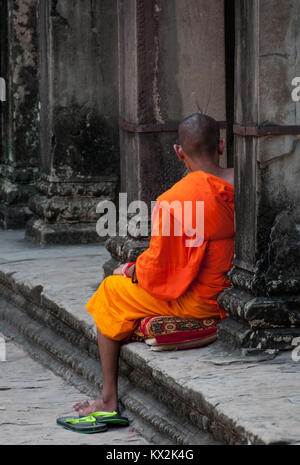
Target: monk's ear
179,151
221,147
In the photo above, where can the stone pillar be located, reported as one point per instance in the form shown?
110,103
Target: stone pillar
264,302
172,64
19,113
79,119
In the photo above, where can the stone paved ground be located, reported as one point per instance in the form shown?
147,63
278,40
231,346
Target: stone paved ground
32,397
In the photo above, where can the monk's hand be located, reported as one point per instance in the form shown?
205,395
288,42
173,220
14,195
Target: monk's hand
121,268
118,271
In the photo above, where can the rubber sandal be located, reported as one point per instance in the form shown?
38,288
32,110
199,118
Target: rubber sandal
110,418
86,425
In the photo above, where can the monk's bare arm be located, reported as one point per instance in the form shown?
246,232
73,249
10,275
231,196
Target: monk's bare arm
120,268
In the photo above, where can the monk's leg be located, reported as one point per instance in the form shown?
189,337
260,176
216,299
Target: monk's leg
108,401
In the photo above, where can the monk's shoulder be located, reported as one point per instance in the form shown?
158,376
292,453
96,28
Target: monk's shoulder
193,186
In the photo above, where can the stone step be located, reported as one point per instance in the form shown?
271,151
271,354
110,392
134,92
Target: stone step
76,365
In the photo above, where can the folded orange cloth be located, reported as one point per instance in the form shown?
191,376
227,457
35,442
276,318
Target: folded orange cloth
118,305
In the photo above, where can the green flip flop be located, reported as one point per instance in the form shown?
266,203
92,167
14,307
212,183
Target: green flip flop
87,425
110,418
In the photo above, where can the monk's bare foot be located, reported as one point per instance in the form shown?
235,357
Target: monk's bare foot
84,408
81,405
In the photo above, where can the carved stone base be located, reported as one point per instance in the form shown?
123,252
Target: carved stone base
264,305
41,232
259,322
14,197
123,250
14,217
110,266
66,212
249,340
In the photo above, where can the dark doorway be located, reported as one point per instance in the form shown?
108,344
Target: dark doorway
229,18
3,74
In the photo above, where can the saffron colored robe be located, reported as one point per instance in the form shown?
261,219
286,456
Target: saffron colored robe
175,278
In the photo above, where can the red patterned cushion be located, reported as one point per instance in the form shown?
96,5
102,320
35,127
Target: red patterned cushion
172,333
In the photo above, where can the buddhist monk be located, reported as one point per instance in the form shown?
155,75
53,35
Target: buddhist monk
173,277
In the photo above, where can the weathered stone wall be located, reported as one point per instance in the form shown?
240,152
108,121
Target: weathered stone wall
172,64
173,79
266,277
19,113
147,157
79,119
200,52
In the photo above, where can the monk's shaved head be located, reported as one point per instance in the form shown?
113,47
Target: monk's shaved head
199,134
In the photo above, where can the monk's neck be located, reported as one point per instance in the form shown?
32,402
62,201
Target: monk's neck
210,168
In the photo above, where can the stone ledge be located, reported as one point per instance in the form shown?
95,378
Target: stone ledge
41,232
151,418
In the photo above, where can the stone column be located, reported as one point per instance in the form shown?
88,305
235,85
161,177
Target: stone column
19,113
79,119
264,302
172,64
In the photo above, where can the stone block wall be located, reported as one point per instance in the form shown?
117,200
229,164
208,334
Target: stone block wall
20,112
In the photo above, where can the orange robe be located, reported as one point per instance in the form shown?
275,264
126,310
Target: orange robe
174,279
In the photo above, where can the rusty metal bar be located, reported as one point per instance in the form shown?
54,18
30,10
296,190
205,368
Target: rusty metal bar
142,128
155,127
260,131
